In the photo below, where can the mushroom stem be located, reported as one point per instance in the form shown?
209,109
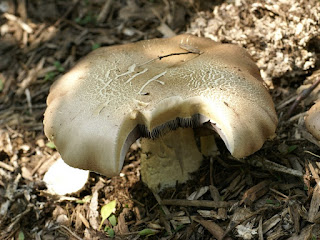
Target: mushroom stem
169,158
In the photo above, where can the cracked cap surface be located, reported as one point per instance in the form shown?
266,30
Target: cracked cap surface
94,109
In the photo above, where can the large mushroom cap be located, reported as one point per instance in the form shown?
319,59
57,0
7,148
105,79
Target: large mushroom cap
312,120
95,110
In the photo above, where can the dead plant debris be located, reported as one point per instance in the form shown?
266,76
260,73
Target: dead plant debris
274,194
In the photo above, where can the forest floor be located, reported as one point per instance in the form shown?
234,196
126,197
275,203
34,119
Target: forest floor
253,199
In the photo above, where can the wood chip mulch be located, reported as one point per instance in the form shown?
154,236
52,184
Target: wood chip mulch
273,194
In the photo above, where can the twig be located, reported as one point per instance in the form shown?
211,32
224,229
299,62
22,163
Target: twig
308,136
175,54
104,12
166,212
279,193
313,154
196,203
212,227
70,9
260,229
314,173
17,218
303,95
211,171
29,100
6,166
265,163
296,117
21,23
72,233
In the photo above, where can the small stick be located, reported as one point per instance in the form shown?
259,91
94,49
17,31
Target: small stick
6,166
265,163
105,11
196,203
166,212
303,95
18,217
71,232
21,23
69,10
174,54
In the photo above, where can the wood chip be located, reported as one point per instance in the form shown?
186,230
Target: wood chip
84,220
255,192
315,204
212,227
121,227
22,24
294,210
271,222
104,11
6,166
305,234
93,211
198,194
165,30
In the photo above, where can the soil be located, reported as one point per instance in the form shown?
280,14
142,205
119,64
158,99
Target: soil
273,194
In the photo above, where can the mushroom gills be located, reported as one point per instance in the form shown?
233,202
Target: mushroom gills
195,121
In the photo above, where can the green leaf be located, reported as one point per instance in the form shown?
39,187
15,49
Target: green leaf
106,211
58,66
89,18
179,227
147,232
95,46
50,76
113,220
269,201
292,148
50,145
110,232
21,236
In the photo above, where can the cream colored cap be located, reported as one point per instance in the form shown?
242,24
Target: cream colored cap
116,94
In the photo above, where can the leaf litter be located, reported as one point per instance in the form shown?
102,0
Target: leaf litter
226,199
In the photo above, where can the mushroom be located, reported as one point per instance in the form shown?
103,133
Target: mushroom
163,91
61,179
312,120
